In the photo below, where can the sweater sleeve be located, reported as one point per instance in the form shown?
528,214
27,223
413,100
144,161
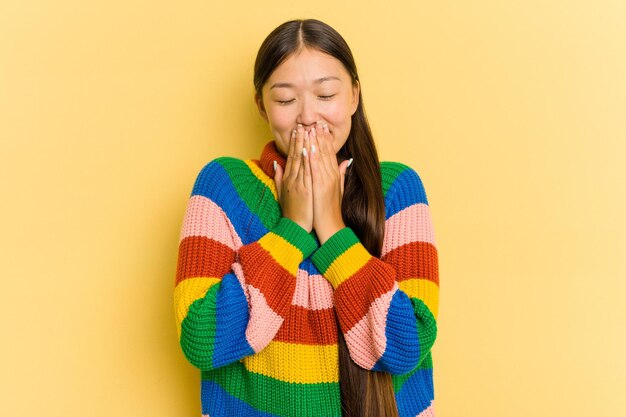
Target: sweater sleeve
387,307
231,298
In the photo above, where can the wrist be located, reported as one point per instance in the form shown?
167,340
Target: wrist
324,233
299,223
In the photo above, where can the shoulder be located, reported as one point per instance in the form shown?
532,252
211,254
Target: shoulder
402,186
219,172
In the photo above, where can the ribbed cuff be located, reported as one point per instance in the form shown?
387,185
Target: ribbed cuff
330,250
296,235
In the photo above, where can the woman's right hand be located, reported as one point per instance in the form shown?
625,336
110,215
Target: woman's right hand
294,185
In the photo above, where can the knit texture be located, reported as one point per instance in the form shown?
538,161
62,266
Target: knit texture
256,296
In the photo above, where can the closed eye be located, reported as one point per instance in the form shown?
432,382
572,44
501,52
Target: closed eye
285,102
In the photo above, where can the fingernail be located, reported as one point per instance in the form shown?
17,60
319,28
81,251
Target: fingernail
349,162
304,151
326,128
274,166
312,148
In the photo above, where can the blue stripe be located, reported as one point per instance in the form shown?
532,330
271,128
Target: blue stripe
403,349
231,318
407,189
214,183
416,393
216,402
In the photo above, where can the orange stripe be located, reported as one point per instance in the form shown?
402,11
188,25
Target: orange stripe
358,292
200,256
263,272
416,259
313,327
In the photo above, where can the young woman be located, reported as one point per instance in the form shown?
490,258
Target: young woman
307,280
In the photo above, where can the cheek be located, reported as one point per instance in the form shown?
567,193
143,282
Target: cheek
339,115
280,119
281,123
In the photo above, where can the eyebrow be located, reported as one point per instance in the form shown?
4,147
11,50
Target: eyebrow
318,81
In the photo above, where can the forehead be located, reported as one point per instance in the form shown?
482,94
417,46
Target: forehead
306,66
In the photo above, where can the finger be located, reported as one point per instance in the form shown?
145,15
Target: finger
297,152
314,157
278,179
330,150
292,144
324,154
326,135
333,165
343,167
306,169
307,140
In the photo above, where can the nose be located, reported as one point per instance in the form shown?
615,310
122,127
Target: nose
308,113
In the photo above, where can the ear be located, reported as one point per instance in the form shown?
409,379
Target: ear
259,103
356,88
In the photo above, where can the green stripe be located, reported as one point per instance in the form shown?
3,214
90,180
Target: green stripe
268,211
257,196
296,235
276,397
255,193
427,326
197,338
333,248
399,380
389,171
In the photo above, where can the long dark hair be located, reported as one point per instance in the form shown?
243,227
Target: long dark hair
363,392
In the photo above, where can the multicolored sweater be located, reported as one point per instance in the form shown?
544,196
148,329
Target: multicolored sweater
256,296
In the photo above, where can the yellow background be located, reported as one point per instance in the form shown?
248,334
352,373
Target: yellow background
513,113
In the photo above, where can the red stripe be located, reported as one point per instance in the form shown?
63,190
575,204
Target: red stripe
354,296
415,260
263,272
200,256
311,327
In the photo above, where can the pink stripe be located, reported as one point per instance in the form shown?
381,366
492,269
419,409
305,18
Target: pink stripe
412,224
428,412
205,218
312,291
366,339
264,322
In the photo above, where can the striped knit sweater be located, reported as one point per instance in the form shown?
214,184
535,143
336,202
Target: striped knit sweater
256,296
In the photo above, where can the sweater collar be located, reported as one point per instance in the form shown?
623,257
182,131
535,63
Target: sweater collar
269,154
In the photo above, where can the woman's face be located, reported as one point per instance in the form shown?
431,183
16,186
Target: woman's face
309,86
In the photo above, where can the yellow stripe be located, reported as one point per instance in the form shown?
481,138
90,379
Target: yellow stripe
290,362
188,291
258,172
425,290
282,250
347,264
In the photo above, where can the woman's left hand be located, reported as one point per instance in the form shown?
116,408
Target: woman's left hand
328,179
